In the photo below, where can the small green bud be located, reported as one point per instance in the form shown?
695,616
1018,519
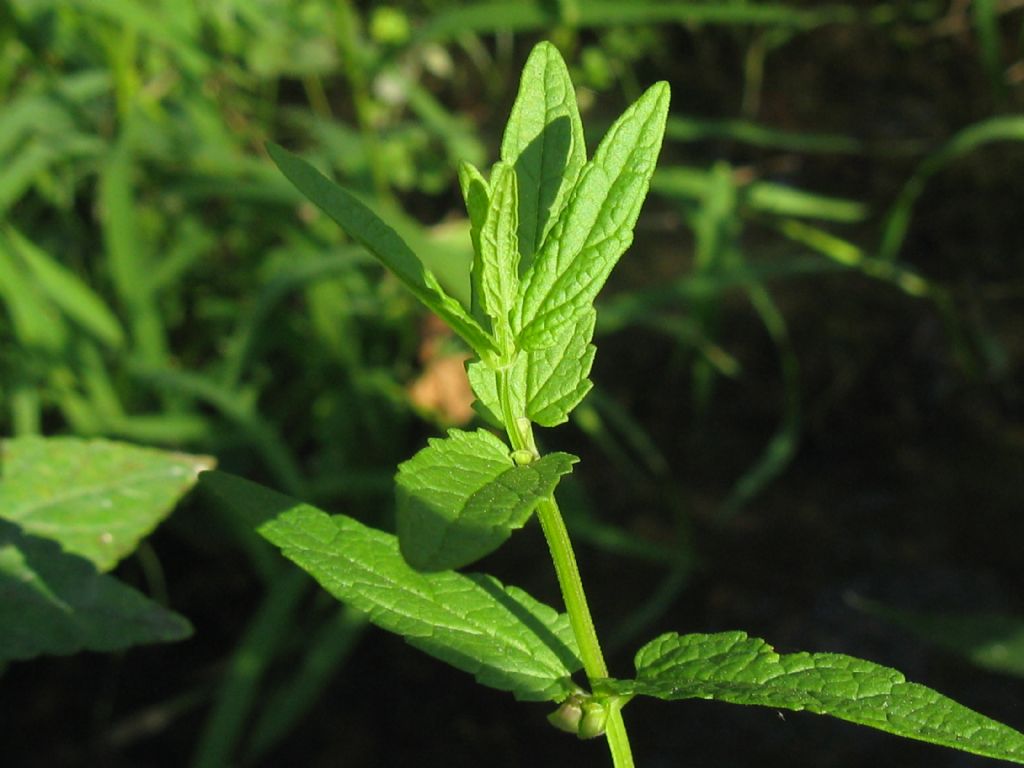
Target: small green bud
594,721
522,457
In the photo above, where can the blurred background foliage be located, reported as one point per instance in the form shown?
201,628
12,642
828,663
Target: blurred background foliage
808,415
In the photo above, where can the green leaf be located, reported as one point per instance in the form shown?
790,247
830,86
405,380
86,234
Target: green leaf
499,254
57,603
476,192
544,142
364,226
552,380
499,634
64,289
729,666
462,496
596,225
97,498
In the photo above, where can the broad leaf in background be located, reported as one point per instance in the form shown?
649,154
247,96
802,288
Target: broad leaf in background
499,634
364,226
552,380
462,496
596,225
58,603
729,666
543,141
96,498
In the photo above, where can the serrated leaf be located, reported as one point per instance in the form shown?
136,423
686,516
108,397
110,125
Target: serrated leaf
364,226
97,498
462,496
543,141
499,634
552,380
596,225
54,602
499,254
729,666
476,193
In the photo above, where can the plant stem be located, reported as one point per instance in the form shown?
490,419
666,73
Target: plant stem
580,620
520,434
572,588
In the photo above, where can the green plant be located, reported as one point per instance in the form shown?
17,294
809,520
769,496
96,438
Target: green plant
547,227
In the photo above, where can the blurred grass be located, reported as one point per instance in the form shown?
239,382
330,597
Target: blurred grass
160,282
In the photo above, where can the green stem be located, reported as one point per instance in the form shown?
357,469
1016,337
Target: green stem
520,434
571,584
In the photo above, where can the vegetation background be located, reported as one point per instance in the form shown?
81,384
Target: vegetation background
808,420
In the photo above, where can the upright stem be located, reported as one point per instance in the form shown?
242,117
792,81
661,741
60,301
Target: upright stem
557,535
571,584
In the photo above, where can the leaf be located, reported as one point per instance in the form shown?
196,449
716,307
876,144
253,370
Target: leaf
596,225
97,498
499,254
462,496
52,602
553,380
66,290
544,142
476,192
499,634
729,666
363,225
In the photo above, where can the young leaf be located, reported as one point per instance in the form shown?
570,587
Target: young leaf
596,225
97,498
57,603
544,143
462,496
729,666
499,254
499,634
553,380
476,192
364,226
